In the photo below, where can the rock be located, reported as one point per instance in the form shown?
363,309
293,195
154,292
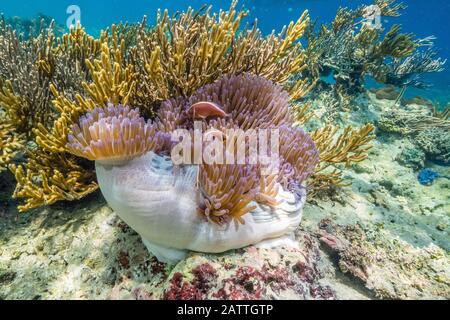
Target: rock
442,226
411,157
386,93
418,101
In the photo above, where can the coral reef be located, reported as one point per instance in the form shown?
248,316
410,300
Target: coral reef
336,149
403,224
426,126
377,260
111,69
30,27
351,48
435,142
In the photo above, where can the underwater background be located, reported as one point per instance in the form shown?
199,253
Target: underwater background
422,18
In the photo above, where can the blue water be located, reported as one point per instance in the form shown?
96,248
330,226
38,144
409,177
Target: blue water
422,17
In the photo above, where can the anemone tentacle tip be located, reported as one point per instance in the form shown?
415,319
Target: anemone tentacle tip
112,135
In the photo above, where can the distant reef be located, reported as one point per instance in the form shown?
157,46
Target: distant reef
27,26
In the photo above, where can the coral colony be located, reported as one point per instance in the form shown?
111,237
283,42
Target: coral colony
134,98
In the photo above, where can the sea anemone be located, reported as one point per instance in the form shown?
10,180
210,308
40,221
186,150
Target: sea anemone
226,192
205,207
113,135
299,157
252,102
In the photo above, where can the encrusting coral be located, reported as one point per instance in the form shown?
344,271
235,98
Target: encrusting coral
141,67
428,129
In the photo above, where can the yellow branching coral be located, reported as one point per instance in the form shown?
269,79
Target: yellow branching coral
112,81
396,44
78,44
302,114
183,53
10,142
49,178
12,102
350,146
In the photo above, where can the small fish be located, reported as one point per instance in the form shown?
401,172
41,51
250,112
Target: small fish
205,109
